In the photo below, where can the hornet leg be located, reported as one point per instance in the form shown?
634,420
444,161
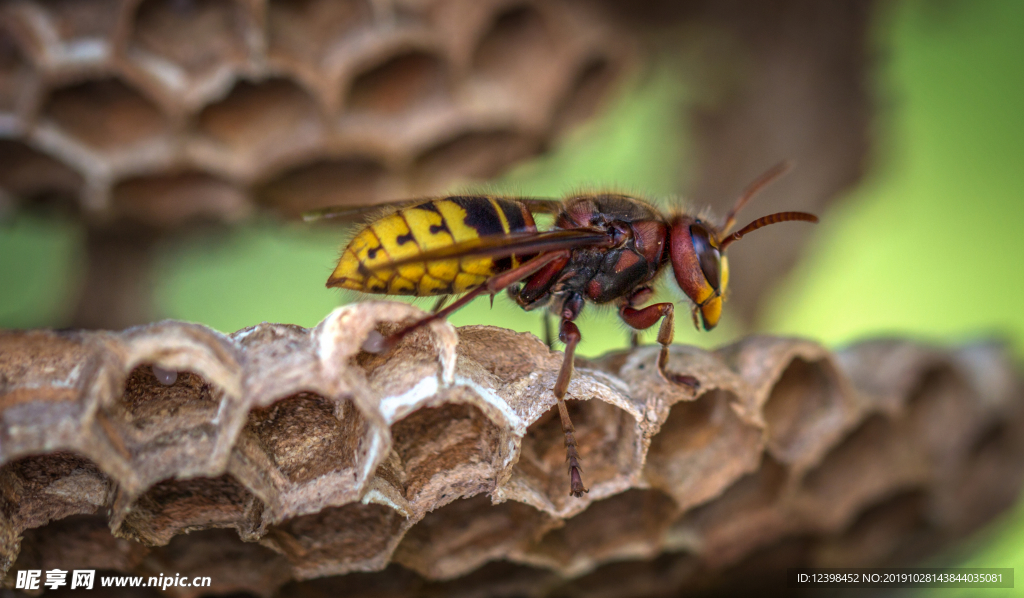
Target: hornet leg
645,318
638,297
570,335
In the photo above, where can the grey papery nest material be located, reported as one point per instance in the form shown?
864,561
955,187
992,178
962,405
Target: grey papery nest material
281,453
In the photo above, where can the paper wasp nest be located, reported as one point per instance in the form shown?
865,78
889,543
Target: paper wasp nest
284,461
162,111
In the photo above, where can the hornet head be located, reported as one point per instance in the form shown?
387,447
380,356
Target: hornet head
697,251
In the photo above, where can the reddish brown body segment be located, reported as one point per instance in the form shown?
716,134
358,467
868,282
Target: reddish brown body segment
637,233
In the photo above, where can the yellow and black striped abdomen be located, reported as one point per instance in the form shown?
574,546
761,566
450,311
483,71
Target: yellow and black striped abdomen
430,225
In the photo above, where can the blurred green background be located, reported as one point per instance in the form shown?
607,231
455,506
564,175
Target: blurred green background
928,244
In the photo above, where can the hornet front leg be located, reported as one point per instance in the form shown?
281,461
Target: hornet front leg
644,318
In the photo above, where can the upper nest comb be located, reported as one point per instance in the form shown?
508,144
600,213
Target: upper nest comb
163,111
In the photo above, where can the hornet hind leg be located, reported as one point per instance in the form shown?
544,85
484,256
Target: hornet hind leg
493,285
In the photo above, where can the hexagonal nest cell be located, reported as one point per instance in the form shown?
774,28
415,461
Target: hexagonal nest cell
83,22
232,565
436,445
589,89
165,421
264,121
803,410
337,540
43,488
702,448
17,76
303,425
626,526
517,41
196,37
188,196
747,515
607,438
298,466
852,474
399,85
894,530
105,114
341,181
304,31
459,537
159,514
36,178
78,542
472,155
